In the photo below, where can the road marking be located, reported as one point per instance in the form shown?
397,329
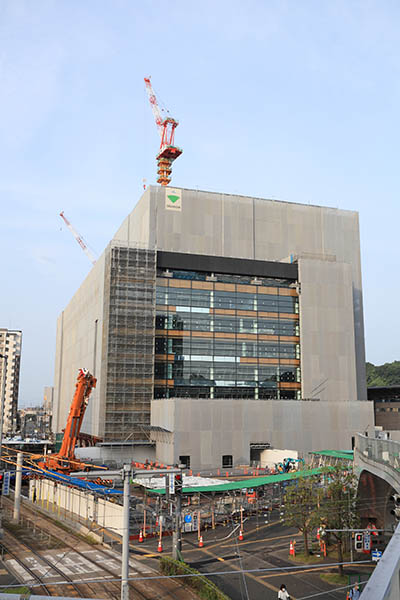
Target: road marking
215,544
257,579
281,537
299,572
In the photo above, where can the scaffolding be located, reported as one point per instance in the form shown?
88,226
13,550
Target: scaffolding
129,343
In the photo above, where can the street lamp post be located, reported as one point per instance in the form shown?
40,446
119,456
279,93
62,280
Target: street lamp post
3,399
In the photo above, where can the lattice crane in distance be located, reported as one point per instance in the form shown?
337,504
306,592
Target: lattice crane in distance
78,238
166,128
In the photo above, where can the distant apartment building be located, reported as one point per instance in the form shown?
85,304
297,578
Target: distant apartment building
386,401
33,423
10,348
48,398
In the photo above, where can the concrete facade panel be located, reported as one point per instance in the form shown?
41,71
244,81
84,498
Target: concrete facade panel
303,426
78,345
327,330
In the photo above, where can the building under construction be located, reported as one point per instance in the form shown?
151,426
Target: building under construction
218,326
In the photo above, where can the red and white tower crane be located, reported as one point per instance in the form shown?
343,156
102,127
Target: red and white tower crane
166,128
79,239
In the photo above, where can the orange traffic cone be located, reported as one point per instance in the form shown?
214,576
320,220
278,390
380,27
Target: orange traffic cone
140,537
291,548
240,535
159,548
201,541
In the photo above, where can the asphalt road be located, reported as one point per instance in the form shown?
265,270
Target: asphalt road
264,550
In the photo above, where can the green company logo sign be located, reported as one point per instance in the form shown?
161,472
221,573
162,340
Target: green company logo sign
173,199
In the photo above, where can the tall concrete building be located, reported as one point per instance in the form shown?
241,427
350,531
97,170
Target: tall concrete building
10,347
219,325
48,401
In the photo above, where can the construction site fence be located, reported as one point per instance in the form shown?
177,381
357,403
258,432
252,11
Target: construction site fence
150,514
66,502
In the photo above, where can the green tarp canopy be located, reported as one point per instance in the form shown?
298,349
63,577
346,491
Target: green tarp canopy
346,454
245,483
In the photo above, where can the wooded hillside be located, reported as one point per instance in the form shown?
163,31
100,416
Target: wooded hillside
387,374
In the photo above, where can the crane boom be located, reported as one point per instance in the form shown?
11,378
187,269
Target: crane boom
79,239
166,128
154,105
64,460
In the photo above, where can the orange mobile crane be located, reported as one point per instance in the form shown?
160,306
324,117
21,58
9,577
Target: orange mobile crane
64,461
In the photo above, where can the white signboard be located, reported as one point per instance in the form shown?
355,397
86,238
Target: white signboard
173,199
171,485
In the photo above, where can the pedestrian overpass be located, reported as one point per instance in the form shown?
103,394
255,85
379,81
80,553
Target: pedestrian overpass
377,464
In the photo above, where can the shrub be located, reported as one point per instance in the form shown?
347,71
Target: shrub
203,586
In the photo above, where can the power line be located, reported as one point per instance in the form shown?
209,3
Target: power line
211,573
346,587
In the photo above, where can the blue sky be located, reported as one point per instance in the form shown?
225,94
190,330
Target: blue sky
289,100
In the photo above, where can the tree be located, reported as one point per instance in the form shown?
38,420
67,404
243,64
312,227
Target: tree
301,506
382,375
338,506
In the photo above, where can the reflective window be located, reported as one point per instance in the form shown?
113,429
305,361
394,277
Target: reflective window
224,300
225,324
201,298
246,301
222,355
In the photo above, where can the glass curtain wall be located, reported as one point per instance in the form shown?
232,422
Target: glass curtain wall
226,337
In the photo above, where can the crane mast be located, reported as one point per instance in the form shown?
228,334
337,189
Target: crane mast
79,239
166,128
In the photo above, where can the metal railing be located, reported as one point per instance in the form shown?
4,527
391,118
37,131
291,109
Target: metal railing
385,452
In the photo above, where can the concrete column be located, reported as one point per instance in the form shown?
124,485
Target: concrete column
18,482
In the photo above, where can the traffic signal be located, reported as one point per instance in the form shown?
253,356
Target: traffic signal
377,542
178,483
359,542
396,509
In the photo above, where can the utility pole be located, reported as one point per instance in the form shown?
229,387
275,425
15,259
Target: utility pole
126,476
2,402
3,399
177,534
18,481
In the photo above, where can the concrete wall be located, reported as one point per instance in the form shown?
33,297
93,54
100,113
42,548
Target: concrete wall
79,345
118,454
207,429
327,330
